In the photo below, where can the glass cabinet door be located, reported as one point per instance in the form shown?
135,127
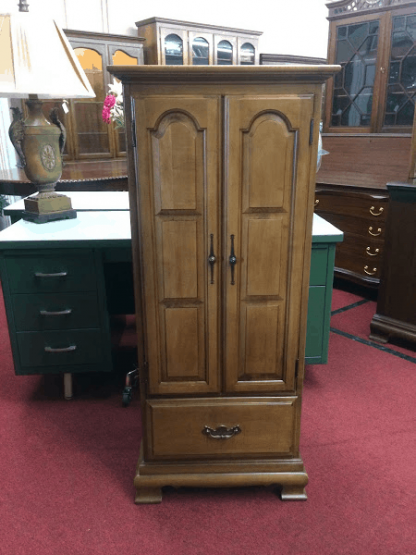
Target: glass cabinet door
224,53
92,134
200,52
401,86
173,50
356,52
247,54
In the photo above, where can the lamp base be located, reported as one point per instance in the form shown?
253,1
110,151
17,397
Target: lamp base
48,207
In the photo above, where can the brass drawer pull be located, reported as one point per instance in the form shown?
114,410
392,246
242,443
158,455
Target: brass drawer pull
62,350
222,432
375,253
370,231
212,258
59,274
59,313
317,202
370,273
380,211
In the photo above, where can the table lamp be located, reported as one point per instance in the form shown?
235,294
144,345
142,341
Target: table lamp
37,62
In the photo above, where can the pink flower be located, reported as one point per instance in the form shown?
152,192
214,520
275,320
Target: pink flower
109,101
106,114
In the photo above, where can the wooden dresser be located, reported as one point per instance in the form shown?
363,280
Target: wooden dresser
368,119
222,168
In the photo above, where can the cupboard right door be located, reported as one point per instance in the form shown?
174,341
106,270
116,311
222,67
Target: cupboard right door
267,214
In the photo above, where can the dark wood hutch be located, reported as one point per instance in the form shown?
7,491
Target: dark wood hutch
367,126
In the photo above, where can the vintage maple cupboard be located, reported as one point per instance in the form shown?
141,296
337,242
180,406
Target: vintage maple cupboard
222,168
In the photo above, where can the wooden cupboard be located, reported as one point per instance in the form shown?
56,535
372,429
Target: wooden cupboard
222,165
173,42
367,126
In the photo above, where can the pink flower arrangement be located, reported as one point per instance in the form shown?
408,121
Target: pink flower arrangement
113,109
109,103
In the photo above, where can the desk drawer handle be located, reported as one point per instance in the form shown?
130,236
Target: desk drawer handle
222,432
370,231
379,213
375,253
59,313
370,273
62,350
59,274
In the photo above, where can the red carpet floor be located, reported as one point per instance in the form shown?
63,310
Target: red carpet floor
67,470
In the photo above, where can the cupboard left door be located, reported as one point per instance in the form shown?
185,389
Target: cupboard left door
178,143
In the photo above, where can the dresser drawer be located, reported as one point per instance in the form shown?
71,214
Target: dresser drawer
359,226
250,427
55,311
60,348
372,209
48,272
369,269
370,249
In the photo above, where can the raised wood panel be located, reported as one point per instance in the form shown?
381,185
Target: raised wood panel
263,254
178,212
178,261
261,322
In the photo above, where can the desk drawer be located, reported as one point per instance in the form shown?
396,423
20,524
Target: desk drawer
55,311
48,272
60,348
178,428
368,207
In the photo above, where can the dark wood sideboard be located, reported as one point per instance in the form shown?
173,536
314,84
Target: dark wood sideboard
102,175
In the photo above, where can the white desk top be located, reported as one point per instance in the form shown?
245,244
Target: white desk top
88,226
85,201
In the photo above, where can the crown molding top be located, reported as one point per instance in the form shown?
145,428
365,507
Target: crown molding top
348,8
224,74
179,23
73,33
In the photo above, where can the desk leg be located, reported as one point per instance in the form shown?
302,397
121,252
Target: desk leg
68,386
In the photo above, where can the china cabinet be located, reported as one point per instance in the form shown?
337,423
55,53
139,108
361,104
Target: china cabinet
88,137
367,126
173,42
222,164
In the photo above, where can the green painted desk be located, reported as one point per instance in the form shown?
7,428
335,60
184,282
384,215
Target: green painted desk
61,281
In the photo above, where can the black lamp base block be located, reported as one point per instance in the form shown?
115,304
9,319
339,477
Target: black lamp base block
51,217
48,207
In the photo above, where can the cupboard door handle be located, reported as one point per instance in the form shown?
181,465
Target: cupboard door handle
370,231
370,273
59,274
59,313
62,350
222,432
375,253
379,213
232,260
212,258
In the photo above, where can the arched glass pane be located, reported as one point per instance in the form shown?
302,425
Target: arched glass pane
225,53
120,58
173,50
200,52
247,54
92,63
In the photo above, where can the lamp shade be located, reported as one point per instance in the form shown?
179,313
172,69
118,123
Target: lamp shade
37,59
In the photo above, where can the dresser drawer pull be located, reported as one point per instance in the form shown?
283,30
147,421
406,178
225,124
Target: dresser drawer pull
222,432
62,350
379,213
317,202
59,274
59,313
370,231
370,273
375,253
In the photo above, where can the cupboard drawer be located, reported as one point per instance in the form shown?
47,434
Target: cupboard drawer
60,348
186,428
49,311
373,210
48,272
